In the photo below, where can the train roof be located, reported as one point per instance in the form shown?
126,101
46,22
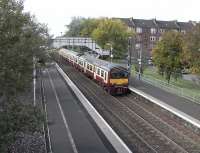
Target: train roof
70,52
93,60
101,63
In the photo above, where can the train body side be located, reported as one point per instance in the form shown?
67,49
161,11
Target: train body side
112,77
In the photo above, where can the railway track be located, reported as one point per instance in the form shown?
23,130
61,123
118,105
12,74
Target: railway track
140,129
168,131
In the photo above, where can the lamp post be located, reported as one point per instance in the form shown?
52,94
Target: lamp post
129,55
60,40
111,55
111,49
140,64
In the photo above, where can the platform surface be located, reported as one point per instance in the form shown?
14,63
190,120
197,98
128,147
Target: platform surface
79,135
180,103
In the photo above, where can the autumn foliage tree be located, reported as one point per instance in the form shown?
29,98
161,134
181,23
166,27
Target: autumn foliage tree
114,32
167,55
104,31
191,56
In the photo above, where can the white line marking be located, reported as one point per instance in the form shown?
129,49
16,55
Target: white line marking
48,131
46,117
34,86
110,134
63,116
160,103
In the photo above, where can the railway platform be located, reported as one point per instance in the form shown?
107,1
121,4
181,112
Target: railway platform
69,127
182,104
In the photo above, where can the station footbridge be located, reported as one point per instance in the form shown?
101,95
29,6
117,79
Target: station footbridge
59,42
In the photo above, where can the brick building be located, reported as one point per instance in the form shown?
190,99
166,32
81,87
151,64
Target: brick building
148,32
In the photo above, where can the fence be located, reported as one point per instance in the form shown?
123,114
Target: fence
185,93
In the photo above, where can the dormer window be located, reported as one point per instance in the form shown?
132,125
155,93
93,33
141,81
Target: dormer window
137,46
162,30
183,31
153,31
152,38
138,30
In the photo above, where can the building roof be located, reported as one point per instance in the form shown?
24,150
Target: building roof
153,23
167,24
186,25
143,23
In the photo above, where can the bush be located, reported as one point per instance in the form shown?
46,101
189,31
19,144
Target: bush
17,117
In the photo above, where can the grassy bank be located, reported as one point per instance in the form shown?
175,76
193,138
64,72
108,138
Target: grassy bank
179,86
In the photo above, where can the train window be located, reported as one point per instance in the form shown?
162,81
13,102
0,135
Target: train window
81,62
88,66
84,64
102,73
98,71
91,67
120,74
105,76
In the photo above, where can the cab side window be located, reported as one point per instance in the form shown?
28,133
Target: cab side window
90,67
102,73
105,76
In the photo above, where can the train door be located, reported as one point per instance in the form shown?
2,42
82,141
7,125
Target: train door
105,77
85,66
94,71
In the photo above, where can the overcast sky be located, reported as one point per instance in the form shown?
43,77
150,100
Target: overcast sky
58,13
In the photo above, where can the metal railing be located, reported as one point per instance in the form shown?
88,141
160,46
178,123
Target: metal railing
182,92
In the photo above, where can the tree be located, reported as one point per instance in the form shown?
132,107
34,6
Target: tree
114,32
88,26
75,27
21,38
167,55
191,55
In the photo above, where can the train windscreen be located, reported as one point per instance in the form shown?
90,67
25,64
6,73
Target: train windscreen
118,74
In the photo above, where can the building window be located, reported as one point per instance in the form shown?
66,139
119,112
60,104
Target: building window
152,38
138,38
175,30
153,31
138,30
137,46
183,31
162,30
130,28
151,46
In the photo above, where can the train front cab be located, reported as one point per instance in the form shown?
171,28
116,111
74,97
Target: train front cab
118,81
